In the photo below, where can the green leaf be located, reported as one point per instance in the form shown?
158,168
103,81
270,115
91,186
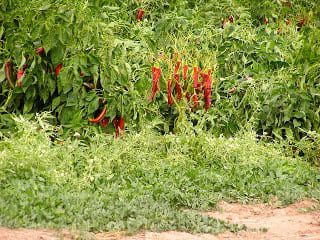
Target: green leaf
296,123
28,105
1,31
93,105
57,55
300,115
72,99
55,103
45,7
2,73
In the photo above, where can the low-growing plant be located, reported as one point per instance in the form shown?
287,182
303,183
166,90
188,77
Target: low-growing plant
143,181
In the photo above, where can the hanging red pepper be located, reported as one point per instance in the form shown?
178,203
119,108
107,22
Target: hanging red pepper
177,67
121,125
301,23
141,12
58,69
116,123
196,85
231,18
185,70
195,101
224,22
8,73
19,75
170,101
188,97
156,72
207,83
99,118
265,20
177,77
209,72
288,4
40,50
233,90
178,87
105,121
195,77
287,21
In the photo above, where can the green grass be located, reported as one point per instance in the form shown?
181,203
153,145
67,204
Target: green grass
143,181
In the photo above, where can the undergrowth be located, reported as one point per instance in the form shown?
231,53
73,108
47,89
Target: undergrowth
144,181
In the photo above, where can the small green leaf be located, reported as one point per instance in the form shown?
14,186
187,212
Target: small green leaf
93,105
45,7
296,123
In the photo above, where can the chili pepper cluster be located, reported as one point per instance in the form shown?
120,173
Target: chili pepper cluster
185,88
20,73
118,122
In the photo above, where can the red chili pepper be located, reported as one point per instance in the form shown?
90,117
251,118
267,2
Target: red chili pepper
58,69
195,77
141,12
224,22
178,87
231,18
288,4
8,73
177,67
19,75
301,23
81,74
116,123
40,50
287,22
121,124
209,72
195,101
170,101
233,90
265,20
156,72
105,121
188,97
185,70
207,85
99,118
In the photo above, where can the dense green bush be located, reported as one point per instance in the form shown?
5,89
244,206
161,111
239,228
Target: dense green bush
144,181
266,75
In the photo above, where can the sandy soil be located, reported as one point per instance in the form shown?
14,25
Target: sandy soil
290,223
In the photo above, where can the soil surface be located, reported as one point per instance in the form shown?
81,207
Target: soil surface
300,221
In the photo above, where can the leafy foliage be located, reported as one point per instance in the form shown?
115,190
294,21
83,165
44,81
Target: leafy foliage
143,181
107,58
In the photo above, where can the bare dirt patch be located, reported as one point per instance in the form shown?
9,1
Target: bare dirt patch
290,223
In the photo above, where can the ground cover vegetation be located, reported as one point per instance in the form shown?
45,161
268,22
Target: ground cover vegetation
157,109
142,181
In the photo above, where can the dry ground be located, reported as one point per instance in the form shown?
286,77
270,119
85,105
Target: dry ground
293,222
